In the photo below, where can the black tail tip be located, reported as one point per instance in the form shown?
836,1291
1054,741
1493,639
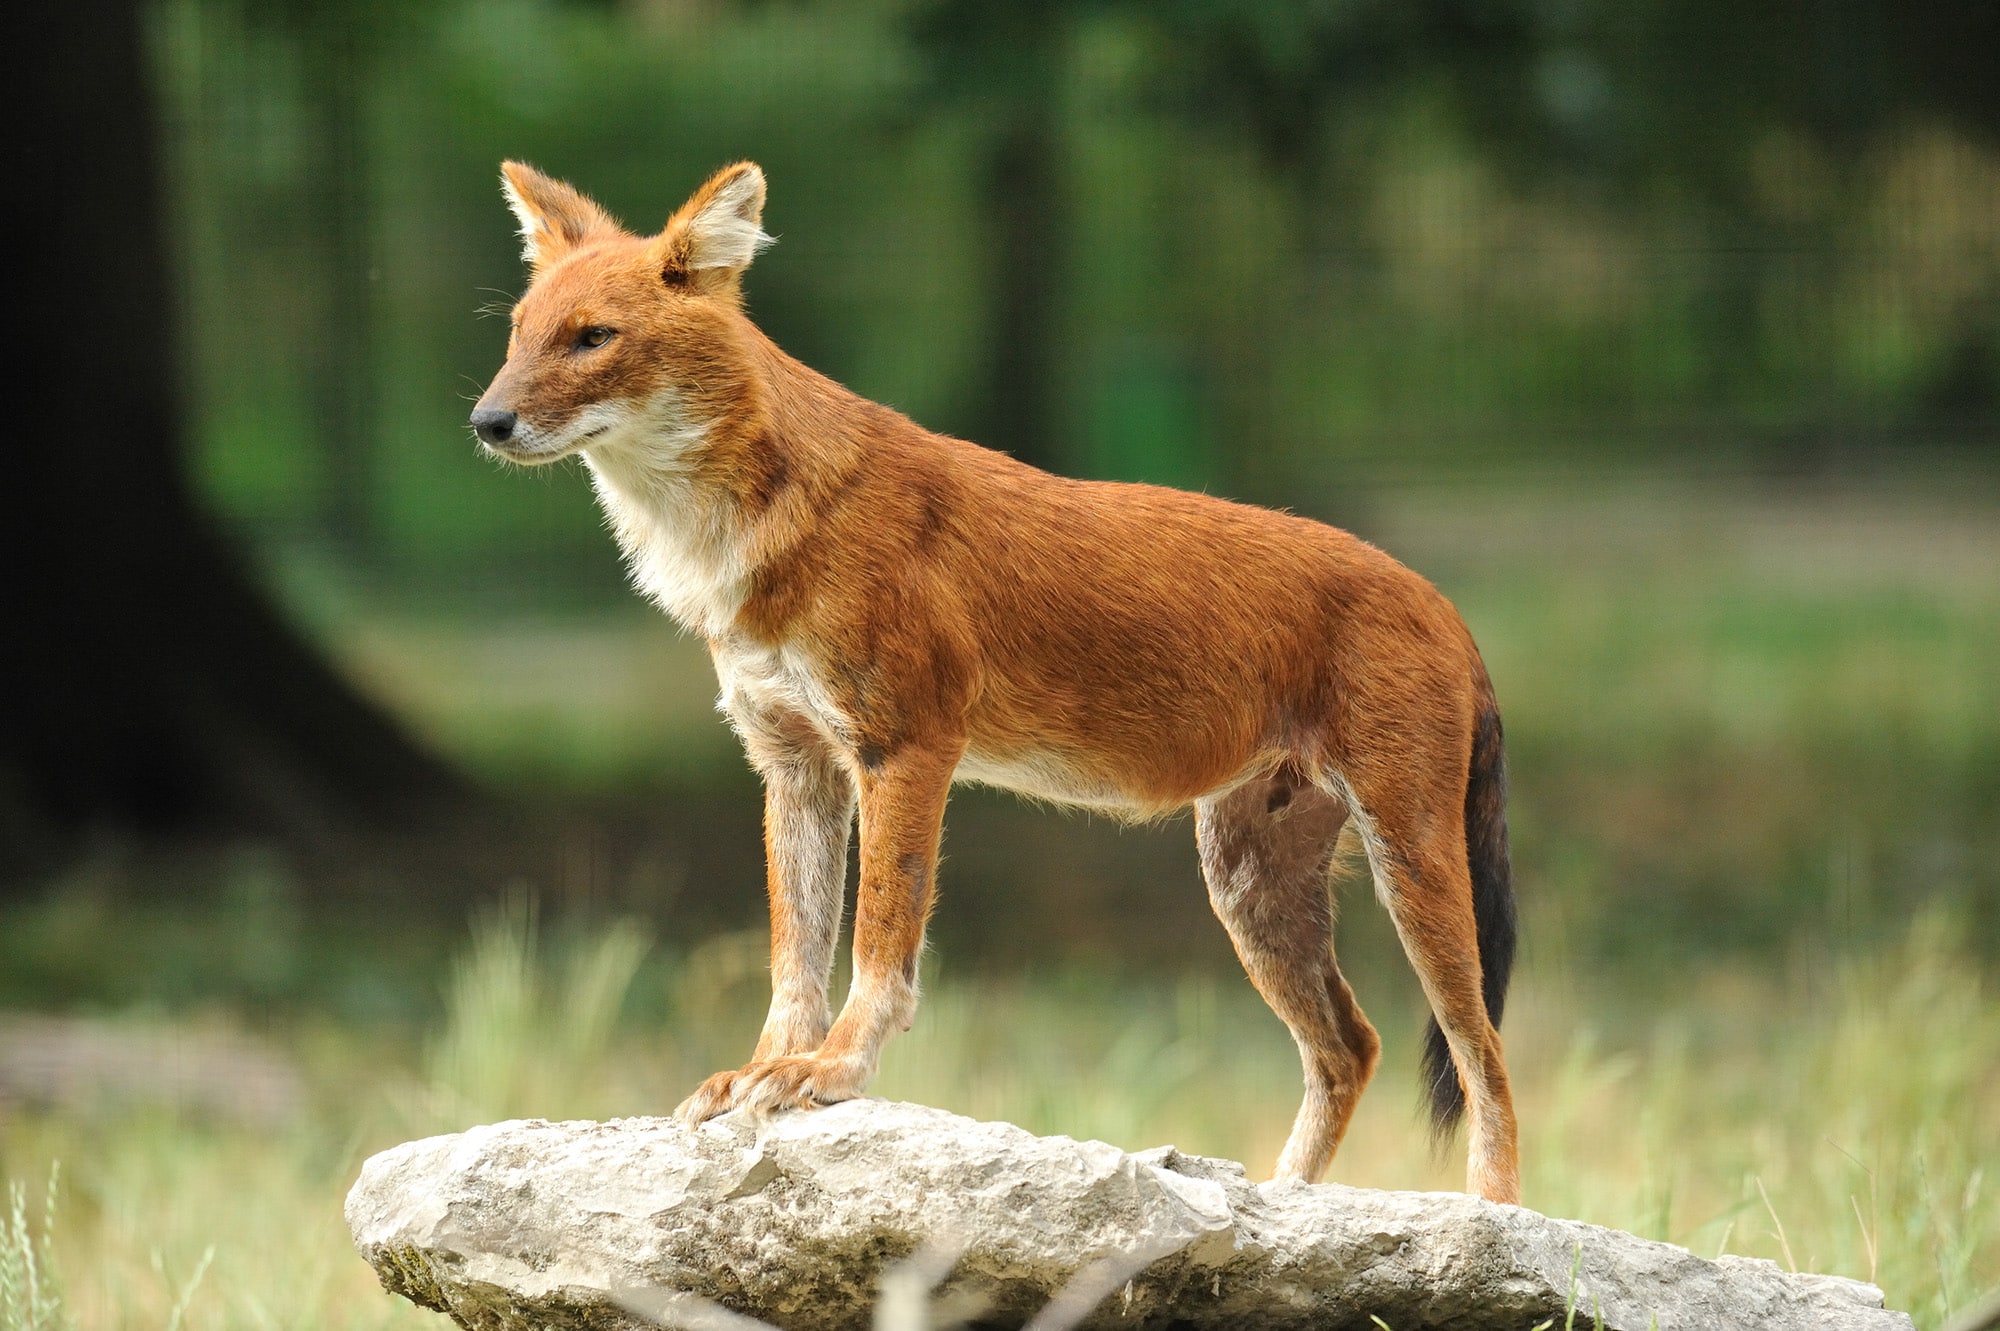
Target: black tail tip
1444,1097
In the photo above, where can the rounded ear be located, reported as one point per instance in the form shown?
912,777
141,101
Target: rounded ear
554,217
712,237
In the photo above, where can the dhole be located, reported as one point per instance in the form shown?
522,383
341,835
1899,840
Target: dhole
890,610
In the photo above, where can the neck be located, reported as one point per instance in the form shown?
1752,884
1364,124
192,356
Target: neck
680,543
702,496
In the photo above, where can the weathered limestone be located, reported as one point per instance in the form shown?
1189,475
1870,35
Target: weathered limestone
793,1218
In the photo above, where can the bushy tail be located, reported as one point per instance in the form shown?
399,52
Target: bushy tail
1492,909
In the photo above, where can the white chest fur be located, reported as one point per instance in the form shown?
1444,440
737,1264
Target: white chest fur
680,541
763,685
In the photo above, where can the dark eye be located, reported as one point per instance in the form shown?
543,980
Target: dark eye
593,336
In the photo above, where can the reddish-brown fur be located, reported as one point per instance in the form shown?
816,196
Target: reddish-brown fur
890,608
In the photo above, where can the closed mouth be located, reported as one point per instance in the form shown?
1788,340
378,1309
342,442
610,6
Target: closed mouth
513,452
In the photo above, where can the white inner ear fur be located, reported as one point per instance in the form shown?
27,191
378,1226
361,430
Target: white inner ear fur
725,234
529,220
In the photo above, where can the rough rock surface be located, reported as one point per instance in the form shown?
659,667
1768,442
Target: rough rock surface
793,1218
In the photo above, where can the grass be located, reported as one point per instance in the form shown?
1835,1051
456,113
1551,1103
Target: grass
31,1297
1837,1114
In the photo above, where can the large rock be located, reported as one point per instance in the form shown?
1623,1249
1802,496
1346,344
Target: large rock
794,1218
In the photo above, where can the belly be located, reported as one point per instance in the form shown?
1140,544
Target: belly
1059,779
1048,776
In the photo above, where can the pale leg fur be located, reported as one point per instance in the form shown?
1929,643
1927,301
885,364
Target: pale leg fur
902,816
808,808
1418,857
1266,848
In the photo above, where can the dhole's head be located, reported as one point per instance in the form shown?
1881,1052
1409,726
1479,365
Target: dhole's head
622,339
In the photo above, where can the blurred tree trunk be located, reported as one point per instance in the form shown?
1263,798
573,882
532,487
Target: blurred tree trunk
1003,64
150,686
1023,189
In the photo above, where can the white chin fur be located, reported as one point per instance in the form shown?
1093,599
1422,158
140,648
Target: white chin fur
528,457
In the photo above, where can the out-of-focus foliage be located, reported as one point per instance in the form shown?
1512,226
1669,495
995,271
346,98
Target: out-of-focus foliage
1261,249
1325,256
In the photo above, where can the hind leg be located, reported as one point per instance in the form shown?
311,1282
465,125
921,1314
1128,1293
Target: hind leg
1265,850
1415,837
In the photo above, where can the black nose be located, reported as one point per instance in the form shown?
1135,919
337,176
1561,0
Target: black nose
494,427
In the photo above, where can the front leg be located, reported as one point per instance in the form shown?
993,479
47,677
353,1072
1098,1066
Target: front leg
902,815
808,808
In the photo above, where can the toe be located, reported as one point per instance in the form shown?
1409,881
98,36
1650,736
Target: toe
777,1083
715,1096
803,1082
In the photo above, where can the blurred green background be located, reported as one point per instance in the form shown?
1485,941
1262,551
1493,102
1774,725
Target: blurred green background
1663,336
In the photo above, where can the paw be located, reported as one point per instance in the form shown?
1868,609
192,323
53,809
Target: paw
717,1095
799,1082
1302,1164
766,1085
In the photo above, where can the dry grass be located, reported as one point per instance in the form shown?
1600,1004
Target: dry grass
1840,1115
